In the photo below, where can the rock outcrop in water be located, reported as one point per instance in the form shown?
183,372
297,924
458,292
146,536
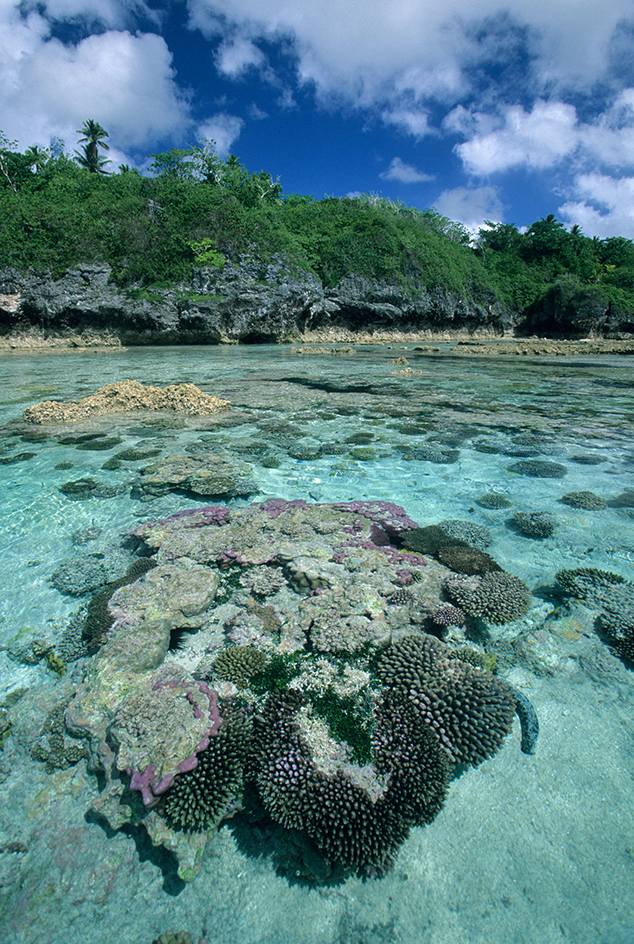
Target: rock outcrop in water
128,396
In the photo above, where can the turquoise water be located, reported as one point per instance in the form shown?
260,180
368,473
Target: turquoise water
528,849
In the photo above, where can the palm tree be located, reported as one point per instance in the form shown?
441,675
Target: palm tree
93,135
36,157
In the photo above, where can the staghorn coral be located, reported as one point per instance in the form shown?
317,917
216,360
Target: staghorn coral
496,597
238,664
534,524
199,798
470,711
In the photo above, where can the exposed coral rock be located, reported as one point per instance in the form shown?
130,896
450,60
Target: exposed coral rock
125,396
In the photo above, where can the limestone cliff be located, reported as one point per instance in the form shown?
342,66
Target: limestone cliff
254,301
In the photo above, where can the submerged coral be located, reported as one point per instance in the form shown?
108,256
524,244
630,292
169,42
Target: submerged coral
497,597
470,711
613,596
347,721
534,524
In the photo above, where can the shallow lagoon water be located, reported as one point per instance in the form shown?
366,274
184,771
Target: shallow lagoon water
528,848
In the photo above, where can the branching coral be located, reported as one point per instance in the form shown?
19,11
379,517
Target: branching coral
469,710
534,524
238,664
199,798
496,597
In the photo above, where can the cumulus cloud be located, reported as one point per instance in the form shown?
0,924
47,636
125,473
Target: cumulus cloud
404,173
605,205
234,57
536,139
48,88
471,206
223,129
371,51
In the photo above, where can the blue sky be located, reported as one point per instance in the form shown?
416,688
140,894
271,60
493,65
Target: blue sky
494,110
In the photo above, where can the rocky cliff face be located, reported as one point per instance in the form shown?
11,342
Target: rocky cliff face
251,301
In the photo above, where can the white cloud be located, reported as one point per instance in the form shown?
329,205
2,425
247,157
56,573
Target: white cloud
234,57
471,206
605,206
413,121
404,173
370,52
536,139
47,88
223,129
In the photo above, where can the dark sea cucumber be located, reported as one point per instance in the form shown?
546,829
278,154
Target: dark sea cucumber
528,721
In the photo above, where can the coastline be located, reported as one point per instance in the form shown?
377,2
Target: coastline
330,341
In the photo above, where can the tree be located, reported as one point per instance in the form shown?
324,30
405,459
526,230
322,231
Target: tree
93,135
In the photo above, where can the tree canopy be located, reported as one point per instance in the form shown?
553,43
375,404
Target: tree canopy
196,209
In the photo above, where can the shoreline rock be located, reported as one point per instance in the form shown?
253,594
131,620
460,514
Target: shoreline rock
256,301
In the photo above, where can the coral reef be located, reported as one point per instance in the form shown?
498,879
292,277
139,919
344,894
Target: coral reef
539,468
534,524
470,710
329,713
586,500
496,597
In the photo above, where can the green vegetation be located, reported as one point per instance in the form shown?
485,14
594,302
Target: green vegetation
200,211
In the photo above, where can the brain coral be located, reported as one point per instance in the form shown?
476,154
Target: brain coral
470,711
496,597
